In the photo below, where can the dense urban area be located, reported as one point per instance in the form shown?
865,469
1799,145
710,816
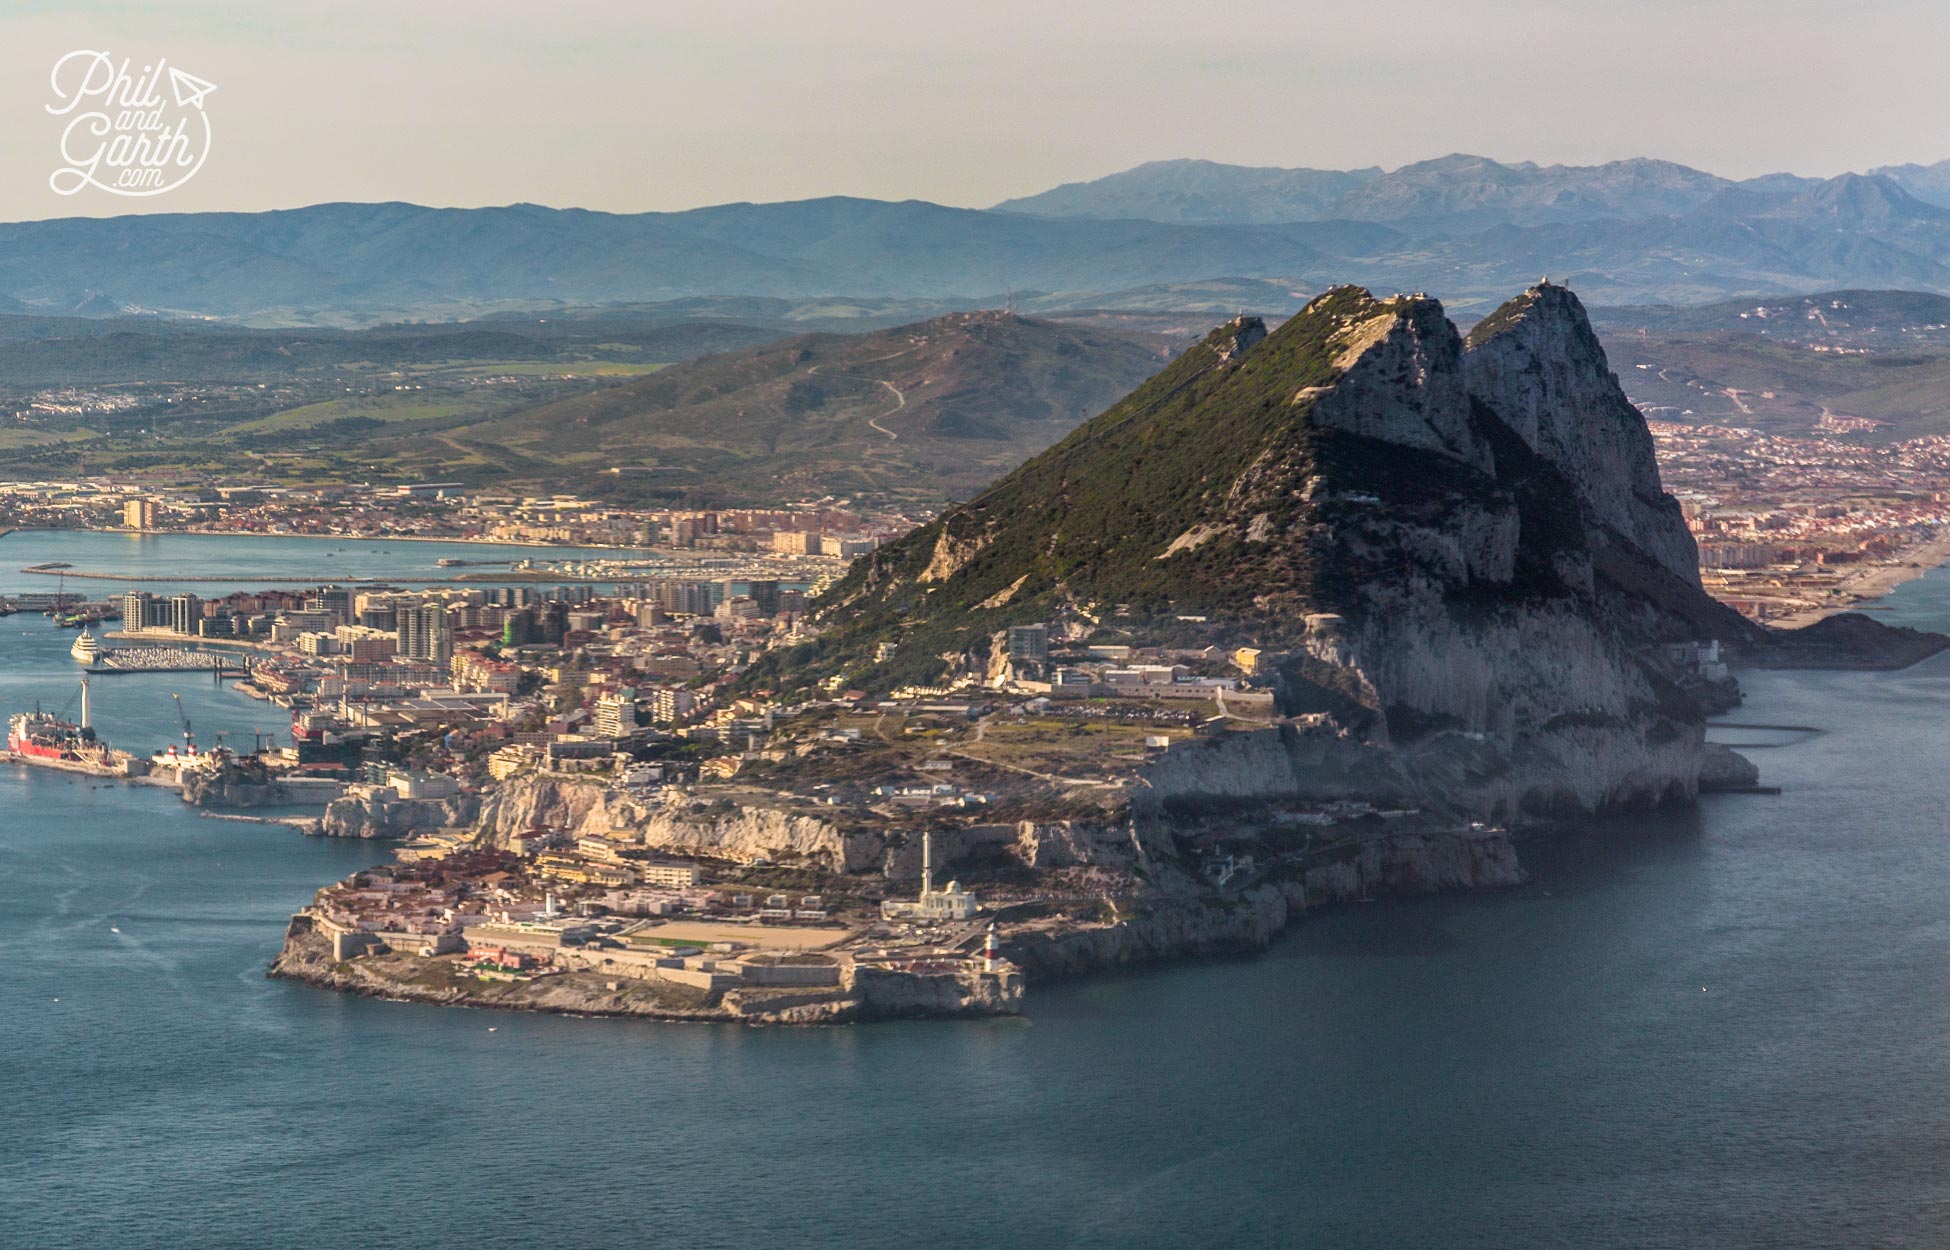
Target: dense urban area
618,674
1791,528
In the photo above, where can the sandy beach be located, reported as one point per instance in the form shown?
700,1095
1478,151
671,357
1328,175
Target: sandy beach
1872,581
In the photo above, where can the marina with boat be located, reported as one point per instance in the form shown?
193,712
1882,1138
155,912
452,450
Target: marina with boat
91,653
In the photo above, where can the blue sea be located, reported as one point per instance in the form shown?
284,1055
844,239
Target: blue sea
1722,1027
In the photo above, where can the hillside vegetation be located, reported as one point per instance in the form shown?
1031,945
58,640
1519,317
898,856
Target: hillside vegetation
1792,365
928,411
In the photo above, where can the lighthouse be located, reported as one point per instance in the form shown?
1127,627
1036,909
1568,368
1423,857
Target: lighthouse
988,949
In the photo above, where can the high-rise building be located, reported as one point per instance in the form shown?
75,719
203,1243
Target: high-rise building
334,599
689,598
139,514
795,543
138,611
847,548
616,714
1029,644
669,703
553,623
185,610
425,634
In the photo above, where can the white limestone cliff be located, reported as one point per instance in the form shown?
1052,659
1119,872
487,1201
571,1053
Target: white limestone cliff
1537,364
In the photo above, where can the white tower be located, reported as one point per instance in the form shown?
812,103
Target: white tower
86,722
927,862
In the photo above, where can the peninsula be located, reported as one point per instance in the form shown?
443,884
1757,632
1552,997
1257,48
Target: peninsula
1328,613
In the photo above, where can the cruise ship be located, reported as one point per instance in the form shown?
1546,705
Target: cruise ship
85,650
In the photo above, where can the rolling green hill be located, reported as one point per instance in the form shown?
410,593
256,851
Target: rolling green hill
925,412
1791,365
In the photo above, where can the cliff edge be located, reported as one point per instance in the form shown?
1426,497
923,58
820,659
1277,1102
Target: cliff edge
1453,557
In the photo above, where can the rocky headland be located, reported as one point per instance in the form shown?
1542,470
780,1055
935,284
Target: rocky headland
1446,567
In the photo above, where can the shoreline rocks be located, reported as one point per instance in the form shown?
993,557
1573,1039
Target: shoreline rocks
1159,929
1400,866
863,992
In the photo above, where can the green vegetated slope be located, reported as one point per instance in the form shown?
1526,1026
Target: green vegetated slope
928,411
1359,459
1210,455
922,414
1782,364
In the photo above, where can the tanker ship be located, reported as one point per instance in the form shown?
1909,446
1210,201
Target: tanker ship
46,740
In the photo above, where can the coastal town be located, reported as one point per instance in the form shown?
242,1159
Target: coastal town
589,808
1794,528
862,626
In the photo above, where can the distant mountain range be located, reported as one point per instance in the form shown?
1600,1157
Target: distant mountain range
1639,231
1452,192
401,256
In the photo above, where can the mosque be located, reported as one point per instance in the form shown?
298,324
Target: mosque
953,903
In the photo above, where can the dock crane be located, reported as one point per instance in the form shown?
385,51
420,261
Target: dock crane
189,735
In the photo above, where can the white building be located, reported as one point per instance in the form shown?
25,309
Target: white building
421,785
616,714
953,903
678,876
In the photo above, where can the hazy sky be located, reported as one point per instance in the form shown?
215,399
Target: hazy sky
645,104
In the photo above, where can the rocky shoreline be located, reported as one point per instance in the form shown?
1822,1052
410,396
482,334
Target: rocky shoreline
1152,931
863,992
1399,867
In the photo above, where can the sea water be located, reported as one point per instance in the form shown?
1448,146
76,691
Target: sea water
1728,1026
